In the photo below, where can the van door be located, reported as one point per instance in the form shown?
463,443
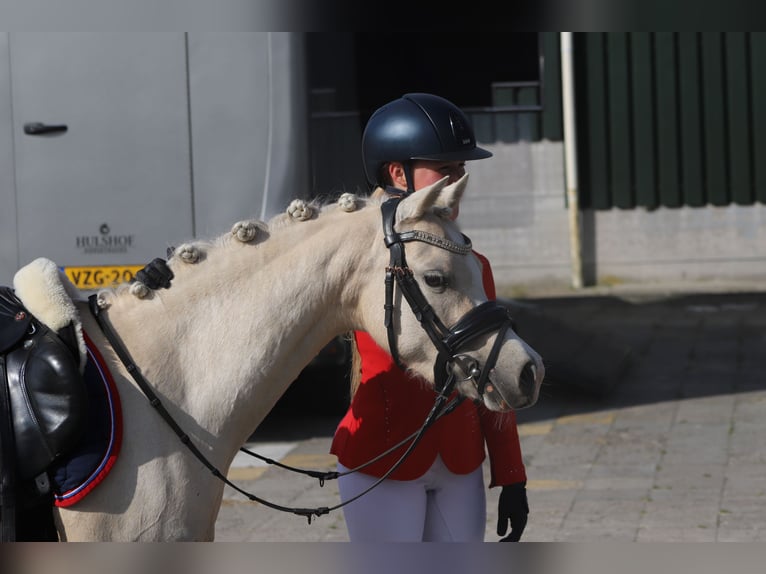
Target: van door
102,151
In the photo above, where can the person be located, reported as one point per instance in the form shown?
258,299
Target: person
438,492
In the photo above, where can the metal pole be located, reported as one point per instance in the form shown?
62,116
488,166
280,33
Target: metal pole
570,158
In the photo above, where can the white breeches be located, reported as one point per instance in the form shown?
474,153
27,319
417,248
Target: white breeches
440,506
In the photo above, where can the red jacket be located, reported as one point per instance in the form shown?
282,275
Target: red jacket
389,406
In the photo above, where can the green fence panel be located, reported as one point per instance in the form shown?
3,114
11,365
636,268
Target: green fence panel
758,99
618,106
553,122
592,136
713,97
738,113
671,118
643,119
692,181
667,116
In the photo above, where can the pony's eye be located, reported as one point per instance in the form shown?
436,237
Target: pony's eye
435,280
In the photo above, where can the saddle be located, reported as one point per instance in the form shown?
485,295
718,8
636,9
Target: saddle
43,399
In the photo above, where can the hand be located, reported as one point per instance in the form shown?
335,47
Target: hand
156,275
512,508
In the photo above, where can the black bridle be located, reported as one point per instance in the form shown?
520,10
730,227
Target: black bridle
481,320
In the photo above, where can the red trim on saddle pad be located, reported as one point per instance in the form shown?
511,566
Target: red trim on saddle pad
91,464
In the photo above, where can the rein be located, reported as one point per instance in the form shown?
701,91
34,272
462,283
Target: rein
135,372
439,409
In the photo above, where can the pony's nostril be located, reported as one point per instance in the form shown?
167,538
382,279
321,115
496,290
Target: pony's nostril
527,379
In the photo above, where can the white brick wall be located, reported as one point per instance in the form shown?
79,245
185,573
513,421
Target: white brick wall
515,213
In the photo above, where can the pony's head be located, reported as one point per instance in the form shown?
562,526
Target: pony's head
438,321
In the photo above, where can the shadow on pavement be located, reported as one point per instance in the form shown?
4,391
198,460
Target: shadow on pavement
623,351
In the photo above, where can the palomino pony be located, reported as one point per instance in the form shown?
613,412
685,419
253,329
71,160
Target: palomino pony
246,312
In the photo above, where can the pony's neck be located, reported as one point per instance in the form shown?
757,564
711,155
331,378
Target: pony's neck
245,320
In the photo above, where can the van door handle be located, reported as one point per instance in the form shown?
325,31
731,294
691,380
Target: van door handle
39,129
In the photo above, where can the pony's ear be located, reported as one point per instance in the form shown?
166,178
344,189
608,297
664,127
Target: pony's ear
439,195
451,195
417,204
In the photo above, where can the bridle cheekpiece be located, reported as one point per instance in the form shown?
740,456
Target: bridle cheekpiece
483,319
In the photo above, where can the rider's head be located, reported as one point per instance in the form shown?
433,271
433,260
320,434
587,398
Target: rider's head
417,129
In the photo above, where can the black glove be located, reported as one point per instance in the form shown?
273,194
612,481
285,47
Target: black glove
512,508
156,275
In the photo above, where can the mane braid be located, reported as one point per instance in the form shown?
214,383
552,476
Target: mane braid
442,242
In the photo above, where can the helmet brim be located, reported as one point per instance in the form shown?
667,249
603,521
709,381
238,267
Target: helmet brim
457,155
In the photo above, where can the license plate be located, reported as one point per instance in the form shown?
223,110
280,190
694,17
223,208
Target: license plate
101,276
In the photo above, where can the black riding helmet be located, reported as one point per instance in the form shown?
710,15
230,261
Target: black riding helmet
417,126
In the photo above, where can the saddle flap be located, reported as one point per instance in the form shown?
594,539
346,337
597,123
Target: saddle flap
48,401
42,353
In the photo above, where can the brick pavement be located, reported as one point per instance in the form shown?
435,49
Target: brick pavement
650,428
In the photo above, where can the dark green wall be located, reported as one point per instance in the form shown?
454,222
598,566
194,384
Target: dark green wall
671,118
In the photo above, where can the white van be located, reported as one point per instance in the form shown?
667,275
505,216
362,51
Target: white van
114,147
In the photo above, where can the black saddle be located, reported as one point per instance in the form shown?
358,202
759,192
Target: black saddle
43,401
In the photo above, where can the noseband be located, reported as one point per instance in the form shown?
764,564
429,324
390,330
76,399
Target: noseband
483,319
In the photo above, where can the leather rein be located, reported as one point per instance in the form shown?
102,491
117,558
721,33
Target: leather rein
483,319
